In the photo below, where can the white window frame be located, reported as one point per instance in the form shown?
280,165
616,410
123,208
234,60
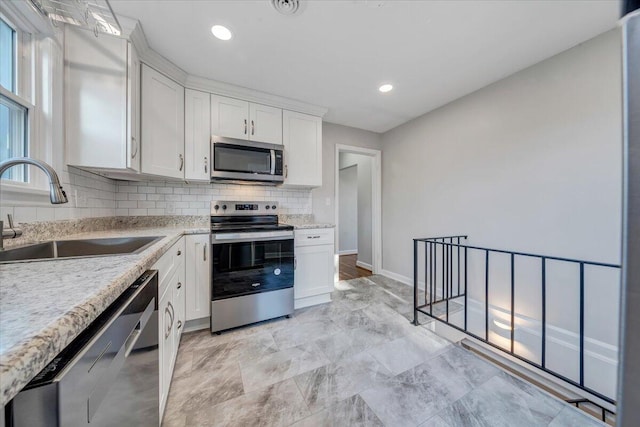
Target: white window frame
28,83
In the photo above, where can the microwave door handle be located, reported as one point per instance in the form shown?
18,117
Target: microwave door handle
273,162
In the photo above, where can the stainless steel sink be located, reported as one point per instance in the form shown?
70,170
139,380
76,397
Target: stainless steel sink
78,248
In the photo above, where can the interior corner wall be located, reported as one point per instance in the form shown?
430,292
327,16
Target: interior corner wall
531,163
348,210
364,203
323,198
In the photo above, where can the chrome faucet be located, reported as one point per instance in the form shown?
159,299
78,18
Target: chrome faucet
56,193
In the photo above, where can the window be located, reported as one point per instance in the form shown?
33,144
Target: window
14,110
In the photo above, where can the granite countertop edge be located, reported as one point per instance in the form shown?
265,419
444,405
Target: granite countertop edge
21,362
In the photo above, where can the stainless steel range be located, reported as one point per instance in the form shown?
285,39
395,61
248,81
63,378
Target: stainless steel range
252,264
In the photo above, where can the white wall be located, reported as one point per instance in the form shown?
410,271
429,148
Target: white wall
532,163
364,203
348,210
333,134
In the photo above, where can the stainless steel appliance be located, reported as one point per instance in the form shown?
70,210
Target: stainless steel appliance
252,264
239,160
108,376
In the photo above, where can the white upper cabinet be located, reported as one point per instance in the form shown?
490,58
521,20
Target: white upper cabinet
229,117
265,124
302,139
197,135
234,118
162,125
102,101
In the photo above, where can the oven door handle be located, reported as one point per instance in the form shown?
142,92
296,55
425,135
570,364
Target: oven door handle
251,237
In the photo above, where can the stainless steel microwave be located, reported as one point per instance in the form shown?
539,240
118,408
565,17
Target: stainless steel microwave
239,160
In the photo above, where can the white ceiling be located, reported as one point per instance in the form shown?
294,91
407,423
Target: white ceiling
336,53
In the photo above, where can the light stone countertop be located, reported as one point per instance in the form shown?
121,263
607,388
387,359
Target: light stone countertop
44,305
310,225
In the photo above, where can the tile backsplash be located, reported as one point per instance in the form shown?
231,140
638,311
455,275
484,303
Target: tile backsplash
169,198
93,196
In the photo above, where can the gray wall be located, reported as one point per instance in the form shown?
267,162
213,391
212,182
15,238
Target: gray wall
348,210
530,163
333,134
364,203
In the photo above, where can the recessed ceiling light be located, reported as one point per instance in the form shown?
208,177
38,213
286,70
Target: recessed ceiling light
385,88
221,32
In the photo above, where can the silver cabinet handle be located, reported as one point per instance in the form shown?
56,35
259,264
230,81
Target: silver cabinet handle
179,324
206,164
313,237
204,252
179,252
173,312
179,285
167,311
286,171
253,128
135,146
245,126
181,161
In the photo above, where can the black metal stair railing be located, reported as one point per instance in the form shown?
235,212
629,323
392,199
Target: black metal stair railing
445,284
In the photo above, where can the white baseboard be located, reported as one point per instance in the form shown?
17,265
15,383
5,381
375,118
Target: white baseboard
348,252
400,278
309,301
364,265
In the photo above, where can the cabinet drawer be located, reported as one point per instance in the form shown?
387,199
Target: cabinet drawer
169,263
314,236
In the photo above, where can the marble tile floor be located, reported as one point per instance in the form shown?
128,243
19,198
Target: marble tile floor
356,361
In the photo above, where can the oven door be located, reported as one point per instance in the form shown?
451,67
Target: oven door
250,263
234,159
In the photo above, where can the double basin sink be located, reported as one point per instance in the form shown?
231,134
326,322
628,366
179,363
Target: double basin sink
61,249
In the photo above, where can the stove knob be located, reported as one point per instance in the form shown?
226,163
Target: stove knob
273,207
224,207
267,207
216,207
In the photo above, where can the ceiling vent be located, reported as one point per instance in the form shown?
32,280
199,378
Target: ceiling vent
288,7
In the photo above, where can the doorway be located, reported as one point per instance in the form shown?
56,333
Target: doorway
358,213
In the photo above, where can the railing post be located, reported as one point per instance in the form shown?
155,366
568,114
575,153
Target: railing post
486,296
458,267
544,311
415,282
513,286
432,286
582,323
465,288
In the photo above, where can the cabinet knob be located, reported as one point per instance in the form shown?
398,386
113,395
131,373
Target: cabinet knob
179,324
181,157
179,252
179,285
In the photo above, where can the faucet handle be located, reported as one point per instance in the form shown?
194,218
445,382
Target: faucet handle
10,220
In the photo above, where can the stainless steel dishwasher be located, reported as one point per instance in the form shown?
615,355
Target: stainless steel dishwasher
108,376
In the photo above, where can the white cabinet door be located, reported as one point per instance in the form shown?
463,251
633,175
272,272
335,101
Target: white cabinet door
302,139
166,338
198,277
133,95
197,135
314,271
265,124
96,90
229,117
162,125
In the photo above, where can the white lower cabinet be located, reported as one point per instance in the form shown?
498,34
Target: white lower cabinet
198,277
171,312
314,274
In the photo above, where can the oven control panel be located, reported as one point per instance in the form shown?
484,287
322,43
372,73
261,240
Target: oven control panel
232,207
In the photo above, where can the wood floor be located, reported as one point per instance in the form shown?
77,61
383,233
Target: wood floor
349,270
